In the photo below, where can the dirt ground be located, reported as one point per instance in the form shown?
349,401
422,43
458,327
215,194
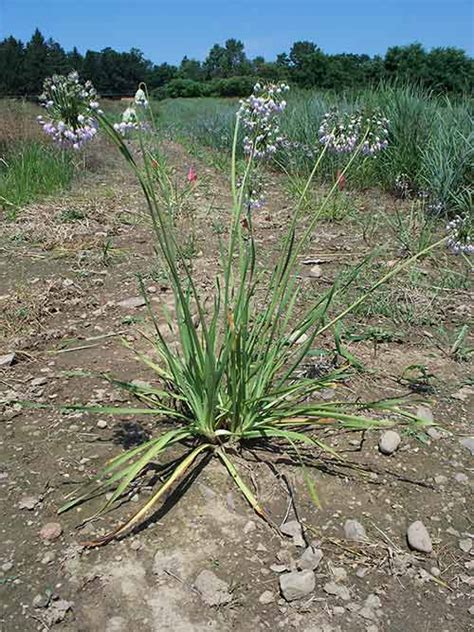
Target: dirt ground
66,265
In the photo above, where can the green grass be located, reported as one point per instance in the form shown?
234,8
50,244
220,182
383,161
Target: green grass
30,171
431,138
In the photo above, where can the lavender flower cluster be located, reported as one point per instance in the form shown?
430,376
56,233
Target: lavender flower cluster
259,117
377,135
294,145
459,240
71,110
254,195
342,132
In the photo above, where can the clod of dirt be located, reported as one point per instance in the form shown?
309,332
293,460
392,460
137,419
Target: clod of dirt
310,559
213,591
294,529
468,442
51,531
389,442
297,584
419,538
7,360
332,588
353,530
133,302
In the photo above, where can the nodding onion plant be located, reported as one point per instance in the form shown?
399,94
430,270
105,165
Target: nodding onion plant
236,379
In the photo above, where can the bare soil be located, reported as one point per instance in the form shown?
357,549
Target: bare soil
65,265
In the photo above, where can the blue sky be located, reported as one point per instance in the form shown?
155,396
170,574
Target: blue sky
166,30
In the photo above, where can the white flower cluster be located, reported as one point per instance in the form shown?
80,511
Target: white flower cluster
140,98
71,109
343,131
459,240
340,131
259,117
128,123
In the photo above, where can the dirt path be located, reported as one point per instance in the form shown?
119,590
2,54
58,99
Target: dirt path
67,273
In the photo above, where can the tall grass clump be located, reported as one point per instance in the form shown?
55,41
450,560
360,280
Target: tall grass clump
29,168
236,378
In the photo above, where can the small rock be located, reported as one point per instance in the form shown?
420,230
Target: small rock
310,559
297,584
367,613
51,531
471,611
28,502
419,538
135,545
373,601
7,567
102,424
41,601
338,590
267,597
434,433
39,381
389,442
465,545
278,568
315,271
133,302
249,527
294,530
353,530
340,574
439,479
425,413
338,610
48,557
7,360
213,591
468,442
57,611
463,393
460,477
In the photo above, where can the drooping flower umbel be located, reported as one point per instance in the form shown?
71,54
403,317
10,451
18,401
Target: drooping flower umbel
342,132
258,115
71,108
129,121
459,231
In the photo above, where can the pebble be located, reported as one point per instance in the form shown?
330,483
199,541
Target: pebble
297,584
135,545
28,502
315,271
332,588
249,527
310,559
468,442
267,597
51,531
425,413
41,601
213,590
439,479
133,302
419,538
102,424
7,567
460,477
353,530
7,360
389,442
39,381
294,529
340,574
48,557
465,545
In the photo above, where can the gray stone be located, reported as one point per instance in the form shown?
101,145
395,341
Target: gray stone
213,591
338,590
297,584
465,545
39,381
41,601
353,530
310,559
425,413
419,538
266,597
315,271
133,302
294,529
101,424
468,442
389,442
28,502
7,567
7,360
460,477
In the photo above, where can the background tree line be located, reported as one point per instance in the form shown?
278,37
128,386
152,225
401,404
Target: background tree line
227,71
